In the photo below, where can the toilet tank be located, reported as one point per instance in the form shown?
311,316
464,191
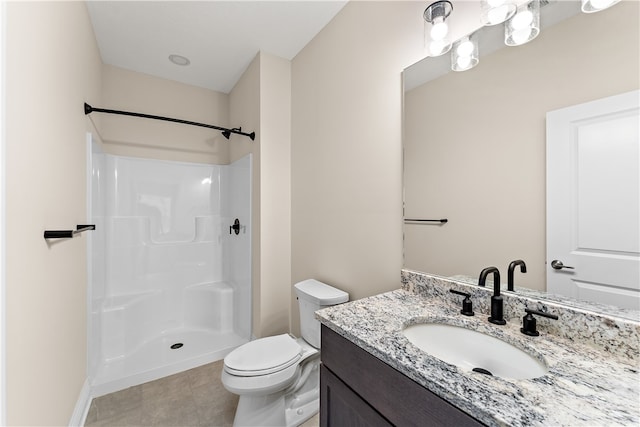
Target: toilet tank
314,295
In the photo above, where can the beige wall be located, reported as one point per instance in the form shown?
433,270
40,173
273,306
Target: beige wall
133,136
261,101
52,67
475,142
347,149
275,194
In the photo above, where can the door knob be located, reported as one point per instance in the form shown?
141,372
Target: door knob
558,265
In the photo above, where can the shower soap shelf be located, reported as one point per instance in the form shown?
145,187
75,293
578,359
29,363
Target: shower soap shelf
67,234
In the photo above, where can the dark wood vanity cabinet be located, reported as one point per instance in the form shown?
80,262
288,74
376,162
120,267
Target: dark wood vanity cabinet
357,389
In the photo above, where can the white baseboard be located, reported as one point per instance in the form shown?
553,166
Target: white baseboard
83,404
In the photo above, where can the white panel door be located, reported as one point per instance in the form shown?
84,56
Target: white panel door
593,201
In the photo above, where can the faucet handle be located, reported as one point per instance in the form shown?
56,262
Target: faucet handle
529,322
467,304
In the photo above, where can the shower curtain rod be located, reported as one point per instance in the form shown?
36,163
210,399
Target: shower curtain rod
225,131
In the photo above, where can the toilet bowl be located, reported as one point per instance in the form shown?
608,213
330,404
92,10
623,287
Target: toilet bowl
277,377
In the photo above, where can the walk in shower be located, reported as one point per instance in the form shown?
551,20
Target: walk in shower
170,267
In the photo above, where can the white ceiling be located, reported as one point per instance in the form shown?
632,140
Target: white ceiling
220,38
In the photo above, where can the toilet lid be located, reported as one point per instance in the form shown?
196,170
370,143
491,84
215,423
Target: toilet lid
263,356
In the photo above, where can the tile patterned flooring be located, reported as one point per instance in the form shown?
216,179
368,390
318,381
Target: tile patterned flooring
192,398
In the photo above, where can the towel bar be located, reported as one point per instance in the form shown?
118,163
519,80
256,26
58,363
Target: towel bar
67,234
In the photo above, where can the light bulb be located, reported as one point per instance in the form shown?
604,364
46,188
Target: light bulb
498,14
522,20
463,62
465,48
439,29
521,36
495,12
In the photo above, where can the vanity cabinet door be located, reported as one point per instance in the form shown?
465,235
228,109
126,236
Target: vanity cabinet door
394,397
342,407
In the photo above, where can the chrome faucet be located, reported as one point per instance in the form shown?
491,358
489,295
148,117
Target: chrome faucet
497,316
512,266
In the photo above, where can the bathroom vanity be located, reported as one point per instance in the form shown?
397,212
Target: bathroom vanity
359,389
371,374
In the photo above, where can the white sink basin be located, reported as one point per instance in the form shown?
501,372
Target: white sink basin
469,349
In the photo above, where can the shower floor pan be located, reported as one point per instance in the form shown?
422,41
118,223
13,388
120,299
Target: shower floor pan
156,359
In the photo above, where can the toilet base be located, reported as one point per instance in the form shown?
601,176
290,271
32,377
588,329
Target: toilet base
283,409
270,411
303,409
260,411
298,416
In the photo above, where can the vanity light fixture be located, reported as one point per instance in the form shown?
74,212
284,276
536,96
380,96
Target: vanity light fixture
590,6
494,12
521,25
524,26
464,55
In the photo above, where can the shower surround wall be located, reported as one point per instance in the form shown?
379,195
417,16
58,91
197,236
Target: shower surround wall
167,270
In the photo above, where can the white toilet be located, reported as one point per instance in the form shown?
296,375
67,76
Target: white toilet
278,377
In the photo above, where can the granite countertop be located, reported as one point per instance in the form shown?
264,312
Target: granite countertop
585,385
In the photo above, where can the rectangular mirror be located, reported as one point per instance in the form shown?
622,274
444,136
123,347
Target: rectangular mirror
475,141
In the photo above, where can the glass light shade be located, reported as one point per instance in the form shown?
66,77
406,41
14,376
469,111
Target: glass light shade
524,26
590,6
493,12
464,54
436,14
